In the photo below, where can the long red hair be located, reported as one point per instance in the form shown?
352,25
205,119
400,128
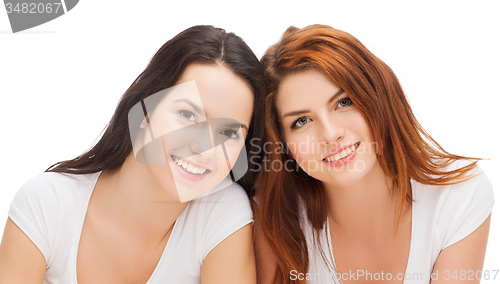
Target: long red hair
405,150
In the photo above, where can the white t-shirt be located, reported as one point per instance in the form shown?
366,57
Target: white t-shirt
51,207
441,216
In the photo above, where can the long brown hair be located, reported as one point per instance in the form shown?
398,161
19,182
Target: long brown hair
405,150
198,44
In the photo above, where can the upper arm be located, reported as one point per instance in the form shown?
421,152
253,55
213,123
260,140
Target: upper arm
462,257
232,260
20,259
264,257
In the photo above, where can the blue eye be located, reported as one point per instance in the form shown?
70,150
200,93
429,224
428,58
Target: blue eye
186,114
344,102
300,122
230,133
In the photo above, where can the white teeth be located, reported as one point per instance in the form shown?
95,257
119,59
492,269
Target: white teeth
188,167
342,154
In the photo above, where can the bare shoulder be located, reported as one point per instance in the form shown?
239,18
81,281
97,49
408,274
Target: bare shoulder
230,257
20,259
464,255
232,260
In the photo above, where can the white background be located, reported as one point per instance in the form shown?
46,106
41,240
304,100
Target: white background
60,82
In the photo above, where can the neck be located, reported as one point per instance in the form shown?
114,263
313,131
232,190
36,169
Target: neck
131,198
366,207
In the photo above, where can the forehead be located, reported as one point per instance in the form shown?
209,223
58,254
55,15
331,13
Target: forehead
222,93
304,90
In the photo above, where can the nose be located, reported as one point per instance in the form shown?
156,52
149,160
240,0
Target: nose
203,149
331,131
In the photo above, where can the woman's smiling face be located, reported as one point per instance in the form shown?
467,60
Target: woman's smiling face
199,129
325,132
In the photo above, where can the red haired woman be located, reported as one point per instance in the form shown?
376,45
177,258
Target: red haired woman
354,189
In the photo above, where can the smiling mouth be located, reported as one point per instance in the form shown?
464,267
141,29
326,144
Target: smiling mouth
189,167
342,154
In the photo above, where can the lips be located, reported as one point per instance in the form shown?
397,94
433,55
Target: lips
341,153
188,167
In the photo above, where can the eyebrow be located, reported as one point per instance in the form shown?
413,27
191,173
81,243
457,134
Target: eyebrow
238,125
298,112
198,109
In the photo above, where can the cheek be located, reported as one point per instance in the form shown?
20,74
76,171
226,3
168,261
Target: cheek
307,156
301,147
221,172
358,123
220,159
233,150
161,125
363,131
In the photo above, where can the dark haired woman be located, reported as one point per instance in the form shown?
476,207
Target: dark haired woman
361,193
119,213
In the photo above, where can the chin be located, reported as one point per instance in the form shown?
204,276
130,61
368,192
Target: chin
345,179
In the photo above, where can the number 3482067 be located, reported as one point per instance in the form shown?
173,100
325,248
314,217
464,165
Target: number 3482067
33,8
